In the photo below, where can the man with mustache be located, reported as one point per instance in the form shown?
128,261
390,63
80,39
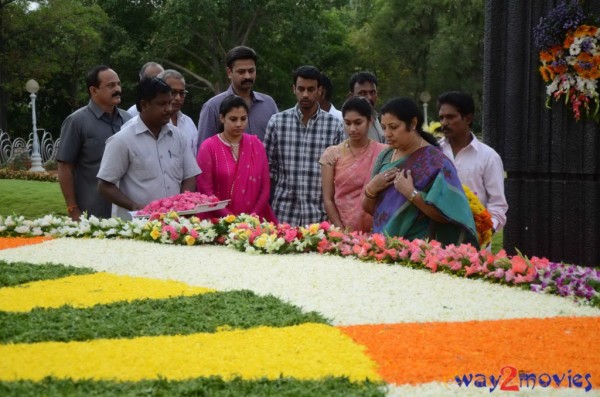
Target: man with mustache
149,158
295,140
241,70
478,165
82,138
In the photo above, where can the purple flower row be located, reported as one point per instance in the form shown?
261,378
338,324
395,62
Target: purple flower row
567,280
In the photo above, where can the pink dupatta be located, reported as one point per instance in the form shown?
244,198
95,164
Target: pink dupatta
247,182
352,171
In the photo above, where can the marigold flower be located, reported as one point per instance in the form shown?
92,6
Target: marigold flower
229,218
155,233
585,30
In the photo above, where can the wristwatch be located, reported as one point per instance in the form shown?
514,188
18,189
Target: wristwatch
413,195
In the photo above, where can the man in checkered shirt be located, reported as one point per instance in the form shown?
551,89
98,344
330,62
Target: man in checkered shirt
295,139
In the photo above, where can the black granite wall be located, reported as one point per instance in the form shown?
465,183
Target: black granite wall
552,162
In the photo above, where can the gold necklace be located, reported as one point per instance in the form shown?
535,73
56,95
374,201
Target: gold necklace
359,149
228,141
235,147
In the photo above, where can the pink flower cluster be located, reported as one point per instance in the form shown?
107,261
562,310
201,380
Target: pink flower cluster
464,260
180,202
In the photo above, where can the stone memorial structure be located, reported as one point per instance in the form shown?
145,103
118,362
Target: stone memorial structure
551,160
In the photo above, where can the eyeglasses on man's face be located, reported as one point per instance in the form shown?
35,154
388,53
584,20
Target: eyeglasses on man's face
181,93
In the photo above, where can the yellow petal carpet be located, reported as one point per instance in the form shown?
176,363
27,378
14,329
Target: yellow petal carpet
307,351
89,290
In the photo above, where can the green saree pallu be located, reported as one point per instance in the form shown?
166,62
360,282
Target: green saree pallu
435,177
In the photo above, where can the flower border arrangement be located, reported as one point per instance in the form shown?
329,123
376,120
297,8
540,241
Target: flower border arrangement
482,217
248,234
569,45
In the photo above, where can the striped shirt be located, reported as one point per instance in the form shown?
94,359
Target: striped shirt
294,150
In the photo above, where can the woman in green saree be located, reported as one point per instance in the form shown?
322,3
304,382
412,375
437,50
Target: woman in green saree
415,191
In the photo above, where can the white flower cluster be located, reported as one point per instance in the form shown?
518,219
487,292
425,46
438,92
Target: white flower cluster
346,290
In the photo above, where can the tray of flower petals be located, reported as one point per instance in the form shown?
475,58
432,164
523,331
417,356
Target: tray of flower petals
183,204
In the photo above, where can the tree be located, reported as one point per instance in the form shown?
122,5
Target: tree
62,39
417,45
195,36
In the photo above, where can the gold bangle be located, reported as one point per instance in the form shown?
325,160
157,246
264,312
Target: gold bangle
71,208
369,194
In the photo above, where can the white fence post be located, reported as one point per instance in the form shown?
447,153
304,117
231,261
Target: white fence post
9,148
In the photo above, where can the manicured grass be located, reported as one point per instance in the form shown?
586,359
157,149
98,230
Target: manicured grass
214,387
497,241
19,273
31,199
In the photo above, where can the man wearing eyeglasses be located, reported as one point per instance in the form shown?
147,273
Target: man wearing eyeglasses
185,124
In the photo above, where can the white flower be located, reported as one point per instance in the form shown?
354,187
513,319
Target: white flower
9,222
37,231
85,228
126,233
23,229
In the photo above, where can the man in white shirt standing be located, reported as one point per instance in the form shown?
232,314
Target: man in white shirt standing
149,69
478,165
185,124
325,98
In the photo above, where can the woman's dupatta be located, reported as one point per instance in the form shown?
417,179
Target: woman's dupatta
435,177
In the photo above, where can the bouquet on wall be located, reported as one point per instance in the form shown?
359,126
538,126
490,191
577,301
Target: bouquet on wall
569,45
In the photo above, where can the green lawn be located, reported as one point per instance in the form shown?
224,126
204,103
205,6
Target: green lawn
30,198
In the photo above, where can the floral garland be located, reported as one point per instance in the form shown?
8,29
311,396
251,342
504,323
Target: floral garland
569,45
246,233
483,219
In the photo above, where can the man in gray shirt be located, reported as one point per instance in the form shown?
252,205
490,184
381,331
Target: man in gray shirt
150,158
241,70
82,138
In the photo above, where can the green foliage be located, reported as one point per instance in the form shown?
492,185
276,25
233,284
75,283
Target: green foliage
152,317
433,45
497,241
19,273
412,45
31,199
62,38
214,387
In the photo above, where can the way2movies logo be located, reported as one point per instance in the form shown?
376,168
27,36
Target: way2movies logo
510,379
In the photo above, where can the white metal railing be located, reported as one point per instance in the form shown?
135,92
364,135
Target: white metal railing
10,148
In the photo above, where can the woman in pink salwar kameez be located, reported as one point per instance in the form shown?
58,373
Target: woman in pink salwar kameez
234,165
346,168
